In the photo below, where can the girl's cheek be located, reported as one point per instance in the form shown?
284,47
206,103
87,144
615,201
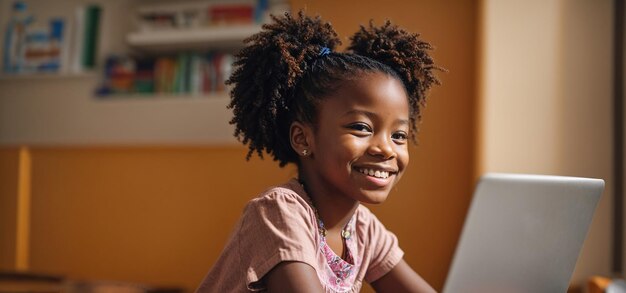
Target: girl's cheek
403,157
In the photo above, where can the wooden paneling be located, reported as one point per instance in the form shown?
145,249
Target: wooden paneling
154,215
9,161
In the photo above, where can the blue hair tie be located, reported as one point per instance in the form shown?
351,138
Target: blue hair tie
325,51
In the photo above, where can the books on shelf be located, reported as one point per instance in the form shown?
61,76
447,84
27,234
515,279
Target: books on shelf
51,45
172,15
231,14
192,74
85,38
192,15
198,25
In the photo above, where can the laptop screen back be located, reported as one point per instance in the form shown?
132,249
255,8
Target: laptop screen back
523,233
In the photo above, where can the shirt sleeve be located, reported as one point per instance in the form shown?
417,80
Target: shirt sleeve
275,228
385,253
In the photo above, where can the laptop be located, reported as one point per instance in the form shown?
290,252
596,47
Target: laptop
523,233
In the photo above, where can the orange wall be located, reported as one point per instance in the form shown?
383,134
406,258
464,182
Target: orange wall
154,215
8,206
161,215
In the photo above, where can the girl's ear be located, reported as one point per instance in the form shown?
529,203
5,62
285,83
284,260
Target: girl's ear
301,138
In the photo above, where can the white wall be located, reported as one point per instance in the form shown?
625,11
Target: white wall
62,110
546,90
586,107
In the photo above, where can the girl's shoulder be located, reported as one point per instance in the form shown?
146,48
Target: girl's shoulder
368,224
290,189
287,197
364,216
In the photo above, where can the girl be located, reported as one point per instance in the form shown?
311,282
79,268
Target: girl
345,120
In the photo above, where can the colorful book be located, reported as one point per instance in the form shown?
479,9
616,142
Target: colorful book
92,29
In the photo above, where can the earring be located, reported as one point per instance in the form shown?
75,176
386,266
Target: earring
305,153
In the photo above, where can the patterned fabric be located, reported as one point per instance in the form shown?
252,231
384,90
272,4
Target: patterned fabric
339,274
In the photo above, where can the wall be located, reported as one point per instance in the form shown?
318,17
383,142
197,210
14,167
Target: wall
546,100
68,113
154,215
161,214
9,158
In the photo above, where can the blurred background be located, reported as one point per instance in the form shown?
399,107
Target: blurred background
118,166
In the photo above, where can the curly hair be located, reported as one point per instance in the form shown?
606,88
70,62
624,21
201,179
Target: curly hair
281,77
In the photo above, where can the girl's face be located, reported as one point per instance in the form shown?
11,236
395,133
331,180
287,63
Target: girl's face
361,138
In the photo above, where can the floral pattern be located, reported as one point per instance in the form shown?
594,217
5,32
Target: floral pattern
340,273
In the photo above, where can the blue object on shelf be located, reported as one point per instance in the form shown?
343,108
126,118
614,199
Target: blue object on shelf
261,8
14,38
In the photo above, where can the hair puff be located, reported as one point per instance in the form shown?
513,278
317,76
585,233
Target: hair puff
406,53
267,70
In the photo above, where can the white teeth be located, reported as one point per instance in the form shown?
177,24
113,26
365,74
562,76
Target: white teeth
375,173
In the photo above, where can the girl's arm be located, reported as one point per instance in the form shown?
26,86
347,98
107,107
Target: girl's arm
402,278
291,276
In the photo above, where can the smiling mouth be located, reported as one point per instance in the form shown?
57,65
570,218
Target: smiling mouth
375,173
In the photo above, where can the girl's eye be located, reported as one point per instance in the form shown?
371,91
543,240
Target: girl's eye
361,127
400,137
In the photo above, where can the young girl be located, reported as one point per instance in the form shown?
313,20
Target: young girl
345,120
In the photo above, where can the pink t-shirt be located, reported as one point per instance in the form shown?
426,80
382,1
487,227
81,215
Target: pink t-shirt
280,225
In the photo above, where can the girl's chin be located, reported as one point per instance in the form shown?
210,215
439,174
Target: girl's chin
377,197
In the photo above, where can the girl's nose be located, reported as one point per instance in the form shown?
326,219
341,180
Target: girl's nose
382,147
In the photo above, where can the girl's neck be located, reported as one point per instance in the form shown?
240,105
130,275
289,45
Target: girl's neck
334,209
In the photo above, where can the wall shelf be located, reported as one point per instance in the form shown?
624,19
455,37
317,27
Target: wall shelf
61,109
224,97
46,76
197,38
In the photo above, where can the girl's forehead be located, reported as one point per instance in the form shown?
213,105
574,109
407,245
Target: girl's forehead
371,81
372,92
